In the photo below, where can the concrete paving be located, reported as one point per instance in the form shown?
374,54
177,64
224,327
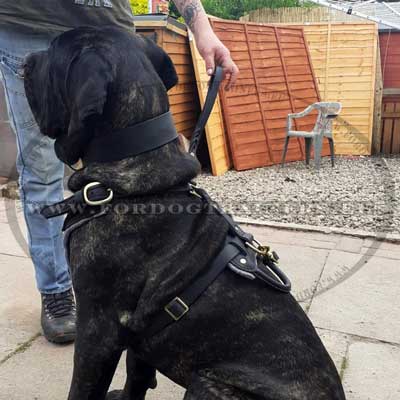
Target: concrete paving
349,286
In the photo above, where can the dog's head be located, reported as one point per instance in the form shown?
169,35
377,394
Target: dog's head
93,81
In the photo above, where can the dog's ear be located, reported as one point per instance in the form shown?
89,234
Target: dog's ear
162,63
88,81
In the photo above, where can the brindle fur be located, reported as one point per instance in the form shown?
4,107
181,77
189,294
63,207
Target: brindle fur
241,340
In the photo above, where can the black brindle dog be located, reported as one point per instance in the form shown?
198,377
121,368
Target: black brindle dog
241,339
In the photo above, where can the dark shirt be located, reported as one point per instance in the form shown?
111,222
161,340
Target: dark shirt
55,16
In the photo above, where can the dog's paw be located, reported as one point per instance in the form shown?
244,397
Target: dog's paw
153,383
119,395
115,395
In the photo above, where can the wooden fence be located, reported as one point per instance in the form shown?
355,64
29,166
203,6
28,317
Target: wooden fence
173,37
390,59
276,79
344,57
286,15
391,125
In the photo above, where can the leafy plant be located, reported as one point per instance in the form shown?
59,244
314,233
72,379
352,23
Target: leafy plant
139,6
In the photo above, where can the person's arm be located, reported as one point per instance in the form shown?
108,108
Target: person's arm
210,47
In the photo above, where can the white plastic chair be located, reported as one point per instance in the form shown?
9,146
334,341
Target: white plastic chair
327,112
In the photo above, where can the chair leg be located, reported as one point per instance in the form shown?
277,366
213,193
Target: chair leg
308,149
285,149
317,150
332,148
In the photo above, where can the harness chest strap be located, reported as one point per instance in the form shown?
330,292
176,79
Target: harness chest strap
180,305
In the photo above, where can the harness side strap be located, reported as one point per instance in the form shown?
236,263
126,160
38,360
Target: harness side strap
179,306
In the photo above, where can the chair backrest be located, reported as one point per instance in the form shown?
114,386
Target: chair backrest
325,110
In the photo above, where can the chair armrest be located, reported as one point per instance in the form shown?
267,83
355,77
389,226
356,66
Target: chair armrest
301,113
297,115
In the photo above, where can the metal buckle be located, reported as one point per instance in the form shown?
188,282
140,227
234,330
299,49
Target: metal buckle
192,191
181,303
96,202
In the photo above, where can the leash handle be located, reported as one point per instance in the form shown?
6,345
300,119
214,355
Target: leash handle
212,94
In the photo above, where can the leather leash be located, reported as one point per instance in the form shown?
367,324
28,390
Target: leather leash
212,94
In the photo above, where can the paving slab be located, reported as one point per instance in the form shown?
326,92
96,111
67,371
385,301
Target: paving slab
43,372
350,317
350,244
370,243
372,372
381,252
19,303
337,344
269,234
365,304
305,239
302,264
13,238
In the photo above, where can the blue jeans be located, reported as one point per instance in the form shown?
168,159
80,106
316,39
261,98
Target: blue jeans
40,172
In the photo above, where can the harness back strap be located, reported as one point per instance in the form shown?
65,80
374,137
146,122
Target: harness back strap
179,306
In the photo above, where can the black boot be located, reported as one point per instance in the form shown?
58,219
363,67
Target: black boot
59,317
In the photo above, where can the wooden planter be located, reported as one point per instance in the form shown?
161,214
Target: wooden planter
276,78
172,36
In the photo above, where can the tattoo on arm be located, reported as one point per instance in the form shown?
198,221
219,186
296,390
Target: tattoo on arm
190,9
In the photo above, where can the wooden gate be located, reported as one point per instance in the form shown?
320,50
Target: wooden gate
391,125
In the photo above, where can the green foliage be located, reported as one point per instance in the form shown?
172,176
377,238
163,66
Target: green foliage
139,6
234,9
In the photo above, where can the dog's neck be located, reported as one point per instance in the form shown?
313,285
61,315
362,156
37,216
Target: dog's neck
152,172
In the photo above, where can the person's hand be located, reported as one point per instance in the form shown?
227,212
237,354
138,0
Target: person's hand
215,53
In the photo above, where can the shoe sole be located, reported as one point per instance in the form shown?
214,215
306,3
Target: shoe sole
62,339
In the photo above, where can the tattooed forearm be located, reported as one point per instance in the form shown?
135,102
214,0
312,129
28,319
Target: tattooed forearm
190,10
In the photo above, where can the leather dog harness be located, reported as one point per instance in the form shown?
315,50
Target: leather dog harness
241,253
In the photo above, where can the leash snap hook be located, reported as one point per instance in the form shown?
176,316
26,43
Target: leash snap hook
96,202
264,251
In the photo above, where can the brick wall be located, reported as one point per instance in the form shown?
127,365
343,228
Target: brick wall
160,6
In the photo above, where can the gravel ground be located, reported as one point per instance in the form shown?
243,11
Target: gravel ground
358,193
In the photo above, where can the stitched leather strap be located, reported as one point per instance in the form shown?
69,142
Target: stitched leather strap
207,108
180,305
132,140
94,193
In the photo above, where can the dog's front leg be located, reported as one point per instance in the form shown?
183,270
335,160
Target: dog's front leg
140,377
96,357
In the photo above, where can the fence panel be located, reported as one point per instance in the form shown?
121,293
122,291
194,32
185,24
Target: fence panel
276,79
